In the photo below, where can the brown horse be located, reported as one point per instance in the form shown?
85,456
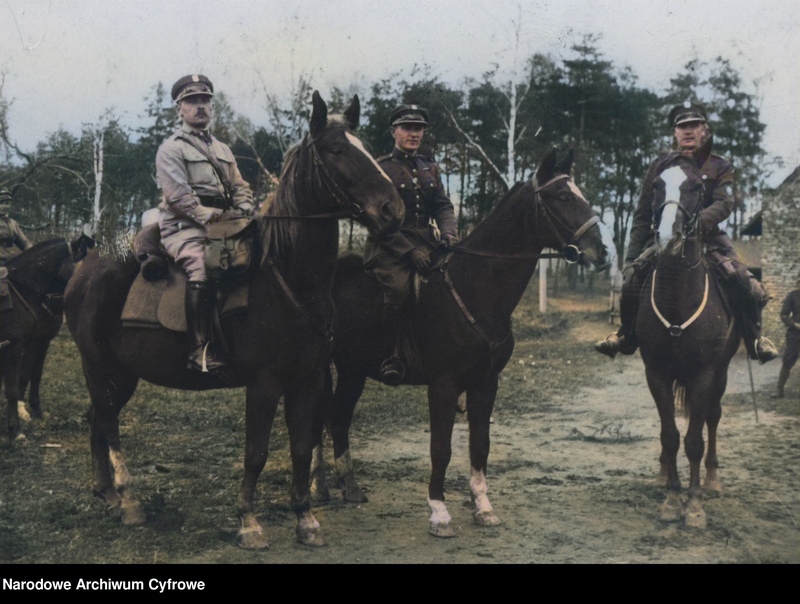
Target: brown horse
687,335
37,278
460,326
280,348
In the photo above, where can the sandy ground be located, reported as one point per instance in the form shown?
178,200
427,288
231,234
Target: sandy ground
572,482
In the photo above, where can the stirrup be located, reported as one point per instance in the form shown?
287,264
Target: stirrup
392,371
201,359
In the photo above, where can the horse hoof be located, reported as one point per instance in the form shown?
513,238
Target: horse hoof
695,516
486,519
252,539
713,485
671,510
131,513
311,537
353,493
442,529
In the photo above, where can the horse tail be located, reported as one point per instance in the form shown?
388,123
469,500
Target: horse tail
679,396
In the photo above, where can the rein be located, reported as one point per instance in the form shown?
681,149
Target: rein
571,254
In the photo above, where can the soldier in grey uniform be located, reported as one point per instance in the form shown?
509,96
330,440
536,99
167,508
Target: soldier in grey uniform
200,184
12,239
394,257
713,177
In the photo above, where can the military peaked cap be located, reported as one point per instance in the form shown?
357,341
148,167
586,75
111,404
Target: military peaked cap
687,112
409,114
192,85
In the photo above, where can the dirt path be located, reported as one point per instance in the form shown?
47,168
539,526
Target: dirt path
572,482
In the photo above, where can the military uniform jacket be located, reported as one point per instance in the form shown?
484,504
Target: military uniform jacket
185,175
12,239
790,315
419,183
707,175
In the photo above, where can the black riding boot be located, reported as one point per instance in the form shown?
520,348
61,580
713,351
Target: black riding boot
199,308
392,370
624,341
755,298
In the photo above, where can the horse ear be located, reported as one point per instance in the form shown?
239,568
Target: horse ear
565,165
353,113
546,168
319,116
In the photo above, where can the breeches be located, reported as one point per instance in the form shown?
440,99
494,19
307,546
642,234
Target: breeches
187,249
395,276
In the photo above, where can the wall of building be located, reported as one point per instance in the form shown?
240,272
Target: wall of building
780,252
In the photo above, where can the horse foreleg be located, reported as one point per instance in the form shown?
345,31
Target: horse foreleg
36,370
713,416
302,403
11,362
442,402
480,403
694,445
661,389
320,493
260,406
349,387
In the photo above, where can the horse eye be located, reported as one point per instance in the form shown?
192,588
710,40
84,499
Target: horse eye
338,150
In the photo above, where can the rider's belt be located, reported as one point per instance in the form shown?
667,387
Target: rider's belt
215,202
418,221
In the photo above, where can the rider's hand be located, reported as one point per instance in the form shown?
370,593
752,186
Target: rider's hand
420,259
216,216
627,271
448,240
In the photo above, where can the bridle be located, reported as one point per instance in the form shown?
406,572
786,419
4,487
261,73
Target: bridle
571,250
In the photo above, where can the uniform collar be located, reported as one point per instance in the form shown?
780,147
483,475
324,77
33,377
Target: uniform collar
203,135
403,156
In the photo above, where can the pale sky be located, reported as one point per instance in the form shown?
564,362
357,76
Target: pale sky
67,61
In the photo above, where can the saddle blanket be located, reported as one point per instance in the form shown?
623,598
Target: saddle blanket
162,303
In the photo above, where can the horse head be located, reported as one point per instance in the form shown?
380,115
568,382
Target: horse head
44,268
354,179
677,235
571,224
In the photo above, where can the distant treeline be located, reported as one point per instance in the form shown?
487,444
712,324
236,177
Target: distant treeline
486,134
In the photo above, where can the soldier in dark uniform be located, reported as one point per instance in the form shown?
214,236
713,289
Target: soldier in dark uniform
394,257
713,176
201,184
790,315
12,239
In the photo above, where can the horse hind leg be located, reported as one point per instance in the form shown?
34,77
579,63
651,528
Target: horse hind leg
712,482
10,361
694,446
480,403
319,490
349,387
111,477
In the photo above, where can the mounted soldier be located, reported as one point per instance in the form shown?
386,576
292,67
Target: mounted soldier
201,184
711,176
395,257
12,239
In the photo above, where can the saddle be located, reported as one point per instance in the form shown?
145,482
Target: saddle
157,297
162,303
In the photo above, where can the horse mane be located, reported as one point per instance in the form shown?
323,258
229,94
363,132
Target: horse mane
278,236
495,214
38,266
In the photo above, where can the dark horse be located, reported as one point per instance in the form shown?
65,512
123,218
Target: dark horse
47,328
37,278
687,335
460,324
280,348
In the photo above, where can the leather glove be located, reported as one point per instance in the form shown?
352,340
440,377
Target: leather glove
421,260
627,271
216,216
232,214
704,223
448,240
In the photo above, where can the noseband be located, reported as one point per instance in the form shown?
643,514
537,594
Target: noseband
572,253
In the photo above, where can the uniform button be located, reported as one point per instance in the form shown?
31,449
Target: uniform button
705,177
402,186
